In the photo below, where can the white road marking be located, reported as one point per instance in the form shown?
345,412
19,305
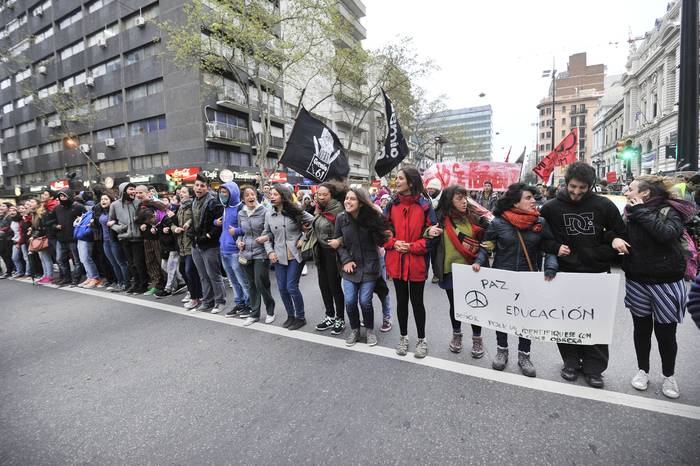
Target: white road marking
560,388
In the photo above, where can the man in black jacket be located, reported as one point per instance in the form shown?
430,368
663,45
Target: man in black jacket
205,246
6,240
66,212
584,226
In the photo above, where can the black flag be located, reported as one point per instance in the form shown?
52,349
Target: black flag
314,151
395,147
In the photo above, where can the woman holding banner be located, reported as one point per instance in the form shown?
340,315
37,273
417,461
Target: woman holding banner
518,236
654,266
411,215
458,243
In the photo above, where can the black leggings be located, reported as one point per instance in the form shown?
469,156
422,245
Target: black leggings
665,337
456,324
414,291
329,283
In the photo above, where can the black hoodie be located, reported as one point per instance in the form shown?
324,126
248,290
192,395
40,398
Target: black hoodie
66,213
587,227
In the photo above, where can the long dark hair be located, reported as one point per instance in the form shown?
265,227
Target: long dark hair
289,207
446,207
337,188
369,218
512,196
415,181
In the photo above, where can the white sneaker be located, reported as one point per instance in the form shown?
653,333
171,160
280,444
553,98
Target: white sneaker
191,304
670,388
304,271
186,298
640,381
216,309
250,321
270,319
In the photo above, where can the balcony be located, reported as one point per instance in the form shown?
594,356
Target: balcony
231,97
226,134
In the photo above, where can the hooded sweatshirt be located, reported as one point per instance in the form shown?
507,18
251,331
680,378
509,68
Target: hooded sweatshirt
66,213
123,211
588,227
227,243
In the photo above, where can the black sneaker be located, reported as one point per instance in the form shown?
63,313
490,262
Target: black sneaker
338,327
5,275
290,320
162,294
245,313
297,324
232,313
325,324
179,289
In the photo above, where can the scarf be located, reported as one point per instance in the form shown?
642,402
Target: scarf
471,249
685,208
523,219
330,210
410,199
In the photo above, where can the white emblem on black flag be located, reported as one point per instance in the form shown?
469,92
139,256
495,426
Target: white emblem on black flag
395,147
314,150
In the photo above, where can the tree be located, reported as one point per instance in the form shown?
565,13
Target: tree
254,45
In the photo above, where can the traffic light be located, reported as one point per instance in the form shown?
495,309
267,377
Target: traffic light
628,151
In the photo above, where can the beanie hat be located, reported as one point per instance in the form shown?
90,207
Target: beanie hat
434,184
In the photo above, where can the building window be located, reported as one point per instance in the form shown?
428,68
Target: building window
573,121
73,81
96,5
19,48
114,166
582,132
226,158
150,161
27,126
49,118
582,120
47,91
149,125
9,132
5,83
227,119
547,147
563,121
148,12
144,90
50,147
549,110
72,50
109,31
7,108
563,132
542,136
22,75
541,111
581,144
106,67
41,7
28,153
70,18
654,105
22,101
107,101
115,132
563,109
541,146
42,35
141,53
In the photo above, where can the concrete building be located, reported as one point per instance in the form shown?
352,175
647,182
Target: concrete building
576,94
608,128
149,115
462,134
651,94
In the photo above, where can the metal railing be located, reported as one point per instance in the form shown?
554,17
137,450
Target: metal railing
220,130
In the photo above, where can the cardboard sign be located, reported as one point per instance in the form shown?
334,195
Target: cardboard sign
575,308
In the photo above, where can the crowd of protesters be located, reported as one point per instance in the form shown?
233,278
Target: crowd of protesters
194,242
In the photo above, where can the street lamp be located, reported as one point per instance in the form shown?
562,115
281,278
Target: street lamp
439,140
72,143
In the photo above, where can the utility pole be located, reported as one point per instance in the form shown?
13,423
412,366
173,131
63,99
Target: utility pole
687,147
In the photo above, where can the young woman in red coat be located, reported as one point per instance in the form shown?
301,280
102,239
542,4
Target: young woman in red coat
411,215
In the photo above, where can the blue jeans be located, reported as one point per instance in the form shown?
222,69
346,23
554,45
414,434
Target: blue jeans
362,291
288,285
85,254
237,277
18,259
114,255
194,285
46,263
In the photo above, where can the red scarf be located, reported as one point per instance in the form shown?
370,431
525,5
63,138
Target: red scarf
469,251
523,219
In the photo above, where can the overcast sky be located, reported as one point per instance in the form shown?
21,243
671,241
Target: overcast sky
501,47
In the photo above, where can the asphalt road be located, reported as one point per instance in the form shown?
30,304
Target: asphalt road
93,378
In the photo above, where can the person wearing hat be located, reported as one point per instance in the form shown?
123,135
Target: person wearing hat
434,189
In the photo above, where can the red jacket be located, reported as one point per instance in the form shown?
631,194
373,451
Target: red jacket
410,216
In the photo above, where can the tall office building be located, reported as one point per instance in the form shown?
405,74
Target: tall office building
149,115
462,134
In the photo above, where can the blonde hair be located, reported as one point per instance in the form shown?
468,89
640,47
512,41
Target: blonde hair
656,185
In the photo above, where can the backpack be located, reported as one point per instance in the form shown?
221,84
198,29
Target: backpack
83,231
689,249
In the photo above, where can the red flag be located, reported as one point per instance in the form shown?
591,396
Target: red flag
508,154
563,154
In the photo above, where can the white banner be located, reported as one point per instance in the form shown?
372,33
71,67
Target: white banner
576,308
